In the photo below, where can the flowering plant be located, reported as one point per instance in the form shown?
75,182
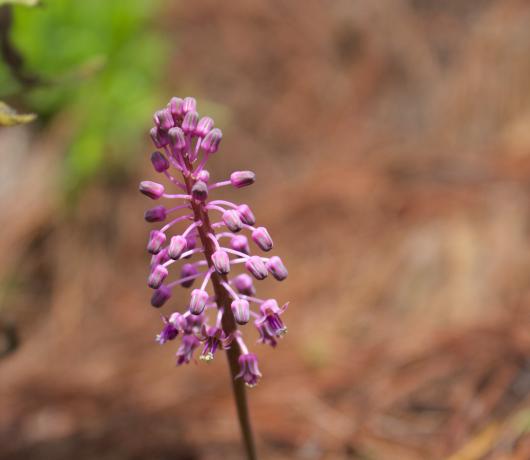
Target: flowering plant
210,247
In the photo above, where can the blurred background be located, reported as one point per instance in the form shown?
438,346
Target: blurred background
391,141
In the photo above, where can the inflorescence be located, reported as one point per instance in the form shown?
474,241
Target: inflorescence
185,142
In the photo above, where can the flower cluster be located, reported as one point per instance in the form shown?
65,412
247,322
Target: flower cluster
211,245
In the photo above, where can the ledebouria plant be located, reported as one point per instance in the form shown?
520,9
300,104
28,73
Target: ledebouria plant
211,244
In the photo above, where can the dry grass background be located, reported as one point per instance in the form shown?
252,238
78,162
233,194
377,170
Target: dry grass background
392,145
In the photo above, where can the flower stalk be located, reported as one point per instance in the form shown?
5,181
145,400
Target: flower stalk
186,142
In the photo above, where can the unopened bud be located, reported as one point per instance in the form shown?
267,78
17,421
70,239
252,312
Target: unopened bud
159,161
277,268
204,126
244,284
198,301
241,179
151,189
163,119
262,238
157,277
177,245
240,243
156,241
156,214
211,141
159,137
203,176
186,271
189,124
241,311
174,106
177,139
160,296
221,262
246,215
256,267
232,220
199,191
189,104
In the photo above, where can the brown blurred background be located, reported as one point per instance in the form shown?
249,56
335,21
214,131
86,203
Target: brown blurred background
391,140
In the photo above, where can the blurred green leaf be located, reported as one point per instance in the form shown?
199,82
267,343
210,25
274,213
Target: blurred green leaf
102,61
9,116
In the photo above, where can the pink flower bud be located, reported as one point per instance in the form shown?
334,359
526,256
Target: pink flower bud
232,220
177,245
241,179
160,258
157,277
244,284
189,124
160,296
204,126
221,262
276,268
241,311
156,214
198,301
199,191
163,119
156,241
246,215
174,107
159,138
262,238
211,141
189,104
177,139
256,267
186,271
203,176
151,189
240,243
159,161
